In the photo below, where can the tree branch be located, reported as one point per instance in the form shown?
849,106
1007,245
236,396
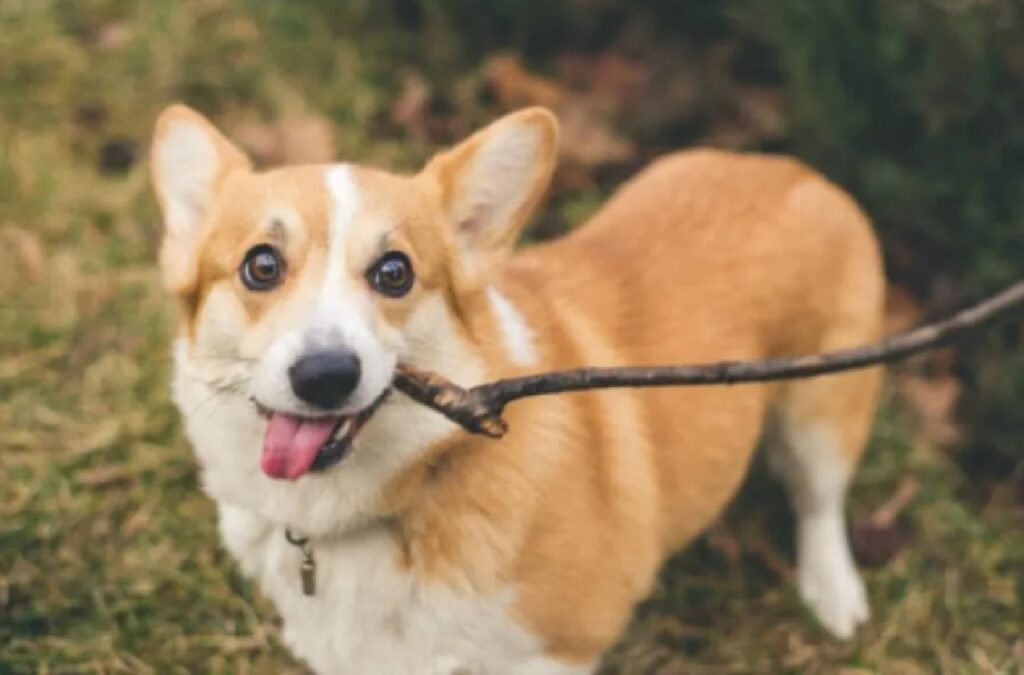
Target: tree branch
479,408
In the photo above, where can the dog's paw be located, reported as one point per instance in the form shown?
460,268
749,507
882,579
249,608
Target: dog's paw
835,593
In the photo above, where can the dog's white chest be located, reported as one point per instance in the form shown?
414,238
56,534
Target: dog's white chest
368,616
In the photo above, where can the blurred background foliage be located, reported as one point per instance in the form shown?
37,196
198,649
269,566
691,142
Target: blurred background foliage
914,106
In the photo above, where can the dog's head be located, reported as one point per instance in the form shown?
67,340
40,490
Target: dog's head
302,288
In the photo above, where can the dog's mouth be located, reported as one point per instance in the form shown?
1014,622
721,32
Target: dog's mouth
295,445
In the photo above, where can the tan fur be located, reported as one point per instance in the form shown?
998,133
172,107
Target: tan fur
704,256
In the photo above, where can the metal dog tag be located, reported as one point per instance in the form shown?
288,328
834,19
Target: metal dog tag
307,571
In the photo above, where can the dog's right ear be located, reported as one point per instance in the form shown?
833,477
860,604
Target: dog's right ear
189,161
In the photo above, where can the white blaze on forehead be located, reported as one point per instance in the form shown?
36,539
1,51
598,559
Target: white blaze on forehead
343,313
337,314
345,200
338,299
516,334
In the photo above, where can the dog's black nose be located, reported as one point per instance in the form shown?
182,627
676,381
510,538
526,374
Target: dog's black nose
325,378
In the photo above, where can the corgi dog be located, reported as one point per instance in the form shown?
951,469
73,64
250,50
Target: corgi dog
393,541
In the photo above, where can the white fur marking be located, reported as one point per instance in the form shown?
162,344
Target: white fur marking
812,466
371,616
516,334
346,203
343,310
826,575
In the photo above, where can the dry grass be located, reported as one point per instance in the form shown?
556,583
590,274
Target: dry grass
109,559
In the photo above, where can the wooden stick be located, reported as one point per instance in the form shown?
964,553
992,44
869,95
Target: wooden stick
479,408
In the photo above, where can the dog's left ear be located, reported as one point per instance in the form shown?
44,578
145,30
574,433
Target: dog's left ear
491,182
189,162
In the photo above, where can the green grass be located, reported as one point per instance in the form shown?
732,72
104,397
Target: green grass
109,557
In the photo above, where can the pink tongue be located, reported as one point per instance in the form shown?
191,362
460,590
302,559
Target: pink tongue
292,443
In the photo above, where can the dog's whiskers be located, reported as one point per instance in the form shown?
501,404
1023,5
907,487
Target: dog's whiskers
228,359
217,391
210,360
218,382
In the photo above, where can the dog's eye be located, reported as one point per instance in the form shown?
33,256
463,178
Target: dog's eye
262,268
391,275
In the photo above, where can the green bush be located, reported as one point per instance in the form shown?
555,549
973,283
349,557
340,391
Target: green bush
916,107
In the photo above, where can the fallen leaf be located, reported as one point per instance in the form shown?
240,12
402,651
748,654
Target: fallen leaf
763,111
409,109
588,138
878,539
762,550
798,653
114,36
886,514
981,659
747,116
933,400
905,667
741,114
28,249
297,139
101,436
105,475
139,521
610,77
591,141
513,86
17,365
902,311
725,543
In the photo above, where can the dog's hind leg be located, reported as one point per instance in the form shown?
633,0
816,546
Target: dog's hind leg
822,428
